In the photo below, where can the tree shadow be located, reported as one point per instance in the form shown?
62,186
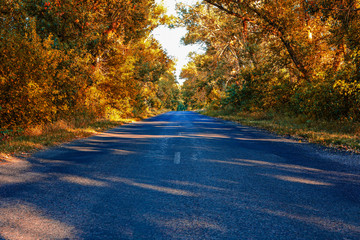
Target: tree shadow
229,182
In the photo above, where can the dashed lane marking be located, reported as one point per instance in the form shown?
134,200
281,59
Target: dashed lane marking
177,158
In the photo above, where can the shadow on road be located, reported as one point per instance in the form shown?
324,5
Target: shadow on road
232,182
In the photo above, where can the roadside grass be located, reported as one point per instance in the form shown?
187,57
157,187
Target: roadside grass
40,137
344,134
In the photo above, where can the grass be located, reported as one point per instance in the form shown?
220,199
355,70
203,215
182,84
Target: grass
344,135
40,137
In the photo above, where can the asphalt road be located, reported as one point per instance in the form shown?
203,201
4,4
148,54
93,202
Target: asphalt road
181,175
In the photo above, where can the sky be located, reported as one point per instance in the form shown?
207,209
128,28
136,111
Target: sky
170,39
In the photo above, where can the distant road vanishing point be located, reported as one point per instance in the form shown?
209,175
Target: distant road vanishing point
181,175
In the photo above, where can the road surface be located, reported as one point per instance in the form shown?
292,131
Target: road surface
181,175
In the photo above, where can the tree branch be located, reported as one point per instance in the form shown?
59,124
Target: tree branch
244,18
273,24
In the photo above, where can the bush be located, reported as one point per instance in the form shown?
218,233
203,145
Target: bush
39,83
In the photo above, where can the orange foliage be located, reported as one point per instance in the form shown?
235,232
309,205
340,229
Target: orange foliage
57,63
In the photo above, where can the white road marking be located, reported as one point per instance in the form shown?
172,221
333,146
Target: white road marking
194,157
177,158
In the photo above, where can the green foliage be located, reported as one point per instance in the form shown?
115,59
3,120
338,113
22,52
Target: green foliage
181,107
233,97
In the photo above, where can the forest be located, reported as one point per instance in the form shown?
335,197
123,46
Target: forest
67,59
298,58
83,59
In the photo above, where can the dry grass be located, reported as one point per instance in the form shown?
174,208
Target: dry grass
343,134
34,131
41,137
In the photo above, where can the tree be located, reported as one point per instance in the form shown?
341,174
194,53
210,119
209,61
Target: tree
295,56
65,58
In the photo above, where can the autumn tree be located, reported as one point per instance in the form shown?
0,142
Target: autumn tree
64,58
294,56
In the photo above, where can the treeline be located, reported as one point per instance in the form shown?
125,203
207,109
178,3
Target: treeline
64,59
295,57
